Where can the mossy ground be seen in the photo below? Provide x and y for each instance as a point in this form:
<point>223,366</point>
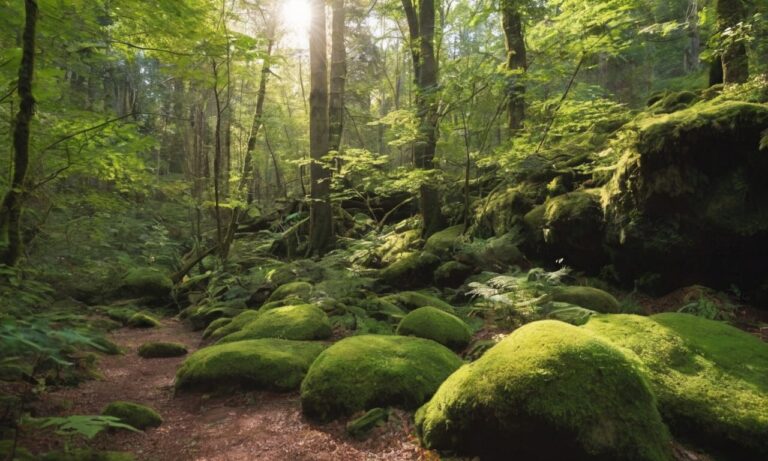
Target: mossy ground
<point>548,391</point>
<point>410,270</point>
<point>299,290</point>
<point>411,300</point>
<point>142,320</point>
<point>139,416</point>
<point>435,324</point>
<point>160,350</point>
<point>270,364</point>
<point>302,322</point>
<point>711,379</point>
<point>367,371</point>
<point>587,297</point>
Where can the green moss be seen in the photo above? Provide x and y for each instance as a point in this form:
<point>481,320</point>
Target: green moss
<point>201,317</point>
<point>87,454</point>
<point>381,309</point>
<point>437,325</point>
<point>302,322</point>
<point>673,102</point>
<point>271,364</point>
<point>120,314</point>
<point>360,427</point>
<point>587,297</point>
<point>548,391</point>
<point>711,379</point>
<point>300,290</point>
<point>397,243</point>
<point>411,300</point>
<point>410,270</point>
<point>159,350</point>
<point>142,320</point>
<point>236,324</point>
<point>216,324</point>
<point>452,274</point>
<point>503,211</point>
<point>444,242</point>
<point>136,415</point>
<point>362,372</point>
<point>21,454</point>
<point>142,282</point>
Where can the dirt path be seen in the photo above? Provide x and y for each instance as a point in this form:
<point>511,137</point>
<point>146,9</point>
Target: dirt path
<point>249,426</point>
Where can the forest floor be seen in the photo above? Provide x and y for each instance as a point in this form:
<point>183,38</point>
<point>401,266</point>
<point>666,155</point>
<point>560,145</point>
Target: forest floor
<point>248,426</point>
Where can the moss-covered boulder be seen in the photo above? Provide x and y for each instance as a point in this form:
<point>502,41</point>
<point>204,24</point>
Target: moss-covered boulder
<point>270,364</point>
<point>367,371</point>
<point>298,290</point>
<point>443,243</point>
<point>235,324</point>
<point>143,320</point>
<point>410,270</point>
<point>687,201</point>
<point>711,379</point>
<point>160,350</point>
<point>432,323</point>
<point>133,414</point>
<point>216,324</point>
<point>201,317</point>
<point>397,243</point>
<point>548,391</point>
<point>119,313</point>
<point>302,322</point>
<point>570,227</point>
<point>496,254</point>
<point>503,211</point>
<point>452,274</point>
<point>410,300</point>
<point>381,309</point>
<point>587,297</point>
<point>146,282</point>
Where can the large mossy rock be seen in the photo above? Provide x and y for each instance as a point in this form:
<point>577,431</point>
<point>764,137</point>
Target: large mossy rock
<point>367,371</point>
<point>711,379</point>
<point>234,325</point>
<point>432,323</point>
<point>156,350</point>
<point>302,322</point>
<point>297,290</point>
<point>410,300</point>
<point>452,274</point>
<point>587,297</point>
<point>410,270</point>
<point>687,203</point>
<point>146,282</point>
<point>444,242</point>
<point>134,414</point>
<point>570,227</point>
<point>202,316</point>
<point>549,391</point>
<point>270,364</point>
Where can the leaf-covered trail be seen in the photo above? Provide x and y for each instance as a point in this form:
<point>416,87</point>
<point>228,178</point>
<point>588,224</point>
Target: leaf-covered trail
<point>248,426</point>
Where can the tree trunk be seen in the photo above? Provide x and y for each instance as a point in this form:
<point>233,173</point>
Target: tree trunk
<point>421,26</point>
<point>11,244</point>
<point>516,62</point>
<point>320,219</point>
<point>338,79</point>
<point>735,63</point>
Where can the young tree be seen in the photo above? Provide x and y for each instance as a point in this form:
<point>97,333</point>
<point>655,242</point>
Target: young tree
<point>11,243</point>
<point>734,57</point>
<point>338,76</point>
<point>421,28</point>
<point>320,219</point>
<point>517,63</point>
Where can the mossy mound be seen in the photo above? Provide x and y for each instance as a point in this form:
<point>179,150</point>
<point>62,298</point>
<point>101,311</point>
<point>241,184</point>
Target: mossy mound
<point>411,300</point>
<point>367,371</point>
<point>216,324</point>
<point>452,274</point>
<point>120,314</point>
<point>443,243</point>
<point>22,454</point>
<point>381,309</point>
<point>302,322</point>
<point>146,282</point>
<point>161,350</point>
<point>687,200</point>
<point>587,297</point>
<point>86,454</point>
<point>410,270</point>
<point>503,211</point>
<point>299,290</point>
<point>142,320</point>
<point>548,391</point>
<point>437,325</point>
<point>270,364</point>
<point>496,254</point>
<point>235,324</point>
<point>711,379</point>
<point>397,243</point>
<point>134,414</point>
<point>201,317</point>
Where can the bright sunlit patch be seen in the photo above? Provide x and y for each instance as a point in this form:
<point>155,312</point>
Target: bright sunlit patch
<point>295,16</point>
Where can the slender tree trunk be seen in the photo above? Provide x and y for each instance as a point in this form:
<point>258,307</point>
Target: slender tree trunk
<point>734,58</point>
<point>217,154</point>
<point>421,26</point>
<point>320,219</point>
<point>516,62</point>
<point>338,79</point>
<point>11,243</point>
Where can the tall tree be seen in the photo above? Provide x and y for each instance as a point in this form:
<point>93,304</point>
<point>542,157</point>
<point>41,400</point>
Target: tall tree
<point>734,57</point>
<point>517,63</point>
<point>11,242</point>
<point>320,219</point>
<point>421,28</point>
<point>338,76</point>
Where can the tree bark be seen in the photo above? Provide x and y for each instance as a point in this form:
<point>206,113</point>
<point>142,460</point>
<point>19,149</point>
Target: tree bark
<point>734,58</point>
<point>11,243</point>
<point>421,26</point>
<point>516,62</point>
<point>320,219</point>
<point>338,79</point>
